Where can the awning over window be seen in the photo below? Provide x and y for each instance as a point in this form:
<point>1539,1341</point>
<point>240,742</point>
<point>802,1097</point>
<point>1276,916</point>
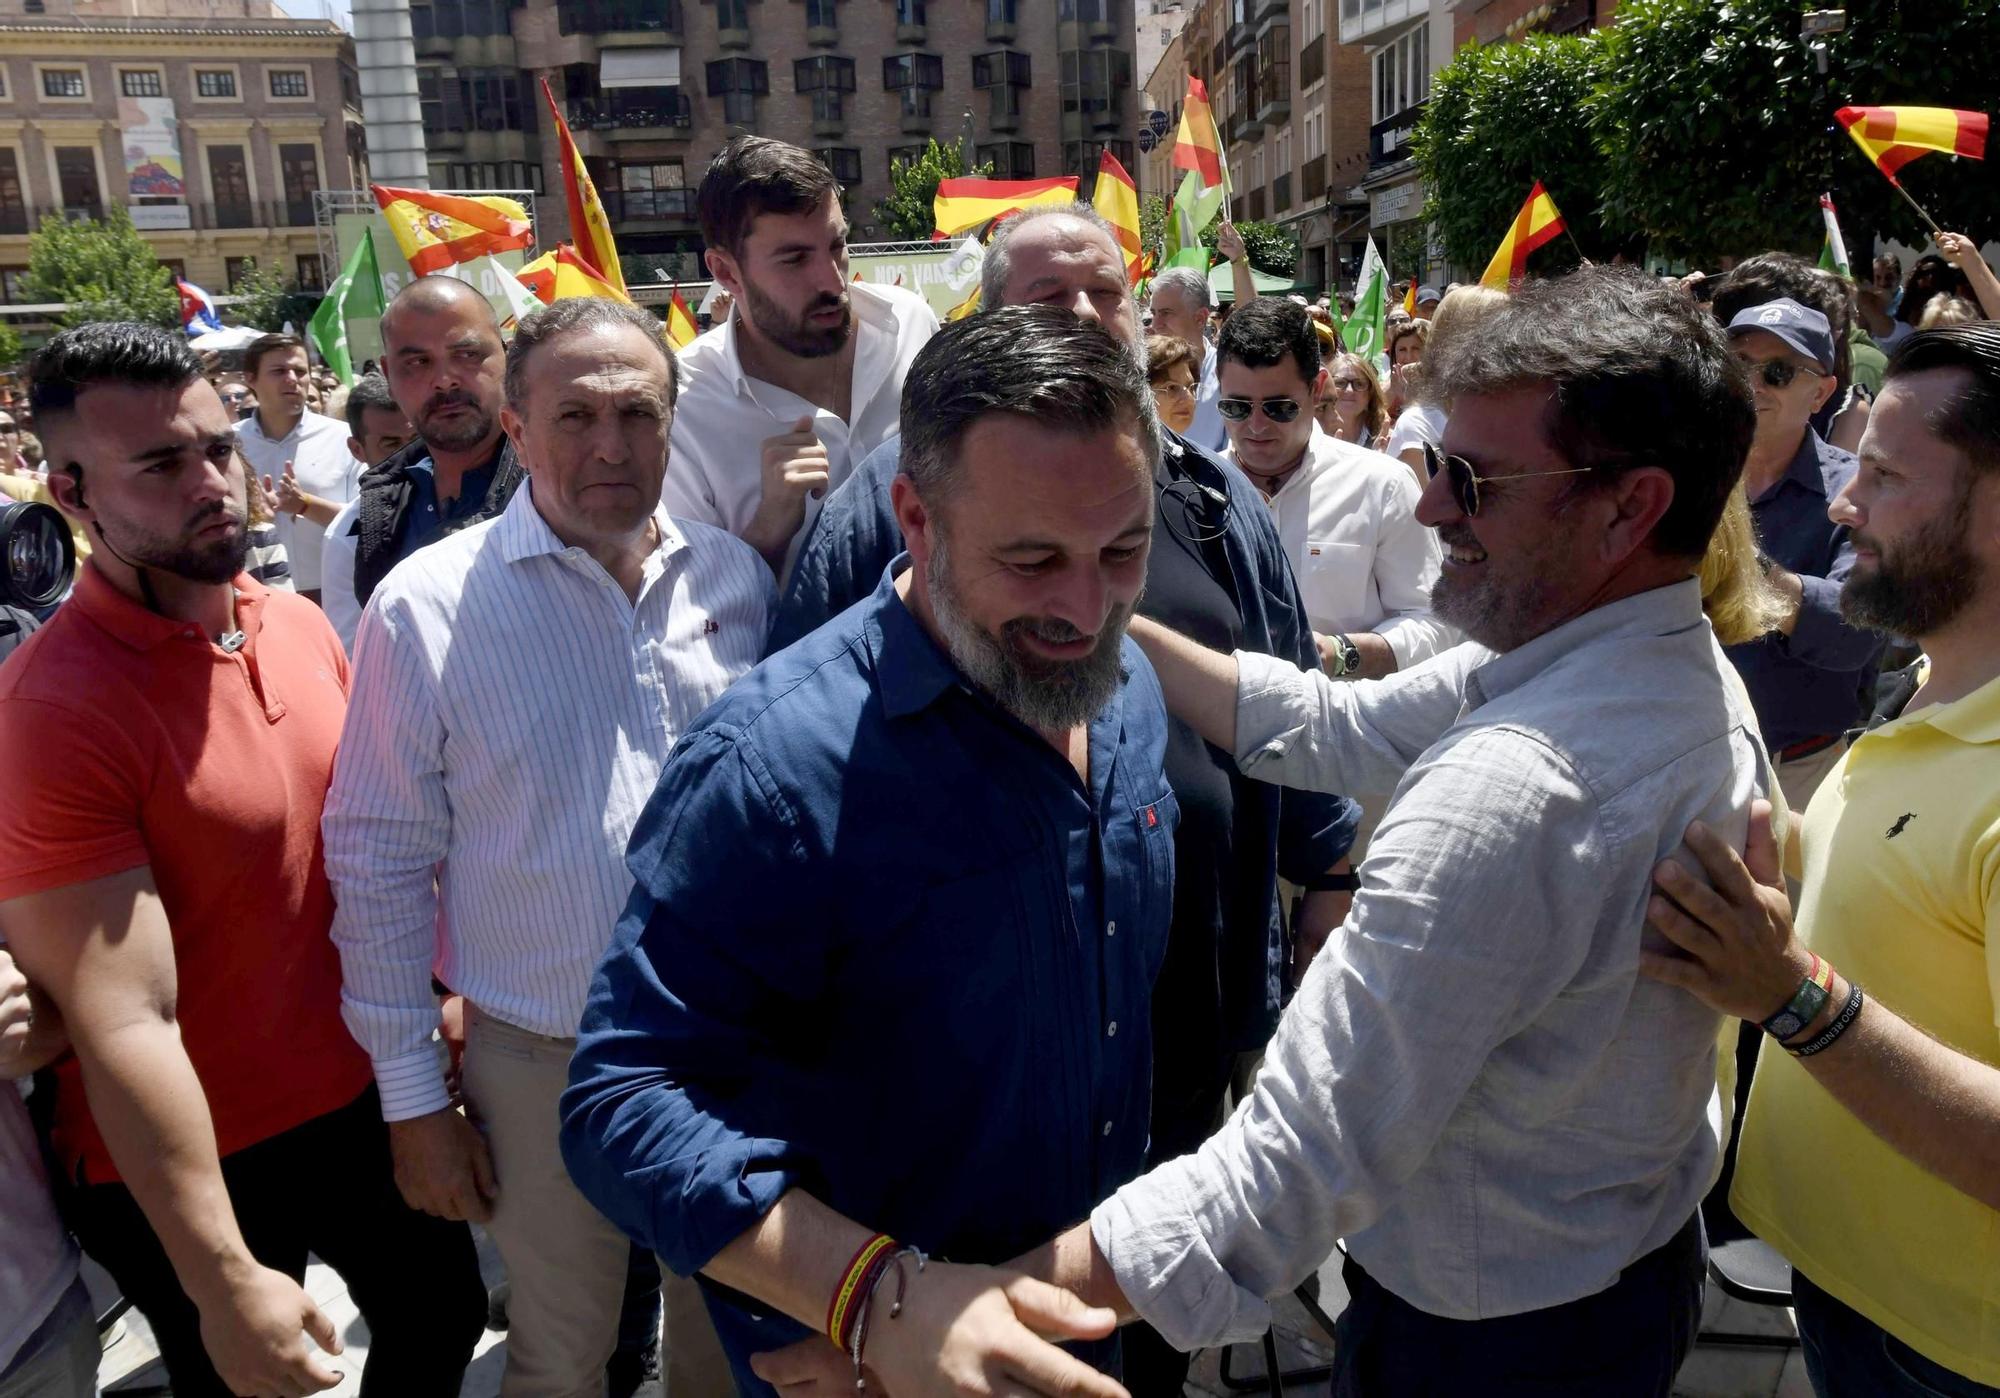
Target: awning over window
<point>639,68</point>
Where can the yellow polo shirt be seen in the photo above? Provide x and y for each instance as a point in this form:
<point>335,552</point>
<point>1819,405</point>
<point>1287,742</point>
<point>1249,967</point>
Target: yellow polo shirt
<point>1901,860</point>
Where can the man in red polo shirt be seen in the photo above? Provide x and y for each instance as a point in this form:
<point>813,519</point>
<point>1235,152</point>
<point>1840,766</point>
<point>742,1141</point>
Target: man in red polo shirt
<point>166,743</point>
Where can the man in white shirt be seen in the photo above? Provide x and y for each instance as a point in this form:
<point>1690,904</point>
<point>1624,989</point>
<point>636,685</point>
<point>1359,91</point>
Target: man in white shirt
<point>1182,302</point>
<point>1347,516</point>
<point>300,453</point>
<point>518,687</point>
<point>785,397</point>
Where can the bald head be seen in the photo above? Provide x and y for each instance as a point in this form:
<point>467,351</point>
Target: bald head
<point>442,355</point>
<point>1066,257</point>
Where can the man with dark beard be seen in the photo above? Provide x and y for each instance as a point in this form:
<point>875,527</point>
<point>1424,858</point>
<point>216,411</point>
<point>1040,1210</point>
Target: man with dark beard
<point>802,381</point>
<point>166,743</point>
<point>442,355</point>
<point>902,894</point>
<point>1871,1152</point>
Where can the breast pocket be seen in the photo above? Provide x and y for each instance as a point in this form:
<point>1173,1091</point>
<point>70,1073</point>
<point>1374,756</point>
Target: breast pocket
<point>1156,822</point>
<point>1337,581</point>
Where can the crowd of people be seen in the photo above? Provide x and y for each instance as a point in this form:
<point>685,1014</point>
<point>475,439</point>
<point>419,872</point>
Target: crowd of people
<point>964,859</point>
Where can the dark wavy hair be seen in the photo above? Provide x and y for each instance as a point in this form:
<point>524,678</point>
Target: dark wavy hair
<point>106,352</point>
<point>1970,418</point>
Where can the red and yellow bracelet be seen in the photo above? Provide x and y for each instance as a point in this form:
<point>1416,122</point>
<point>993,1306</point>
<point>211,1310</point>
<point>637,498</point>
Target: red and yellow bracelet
<point>844,1312</point>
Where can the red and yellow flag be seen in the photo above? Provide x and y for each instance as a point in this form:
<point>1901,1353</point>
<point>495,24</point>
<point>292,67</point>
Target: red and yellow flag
<point>1894,136</point>
<point>556,275</point>
<point>1537,223</point>
<point>436,230</point>
<point>1410,299</point>
<point>681,324</point>
<point>1117,198</point>
<point>1198,147</point>
<point>970,201</point>
<point>589,229</point>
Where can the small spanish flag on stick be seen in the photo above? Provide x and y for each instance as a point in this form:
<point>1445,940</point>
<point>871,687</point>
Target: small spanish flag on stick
<point>1536,224</point>
<point>1410,299</point>
<point>681,325</point>
<point>1892,137</point>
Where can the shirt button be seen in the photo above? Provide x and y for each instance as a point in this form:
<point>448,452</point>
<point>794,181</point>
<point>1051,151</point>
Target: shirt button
<point>1110,929</point>
<point>1107,1128</point>
<point>1111,1030</point>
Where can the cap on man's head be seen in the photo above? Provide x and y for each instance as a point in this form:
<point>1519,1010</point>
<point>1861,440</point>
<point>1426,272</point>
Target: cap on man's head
<point>1429,296</point>
<point>1801,327</point>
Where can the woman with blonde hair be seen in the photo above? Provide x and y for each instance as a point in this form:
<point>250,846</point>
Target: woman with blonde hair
<point>1351,404</point>
<point>1422,421</point>
<point>1741,603</point>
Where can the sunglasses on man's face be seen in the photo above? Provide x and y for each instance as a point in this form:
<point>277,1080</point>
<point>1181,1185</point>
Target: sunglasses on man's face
<point>1465,482</point>
<point>1779,373</point>
<point>1276,409</point>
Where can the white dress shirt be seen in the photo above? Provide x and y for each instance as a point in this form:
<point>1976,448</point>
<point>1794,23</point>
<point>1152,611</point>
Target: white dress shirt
<point>511,709</point>
<point>1348,520</point>
<point>317,449</point>
<point>1208,430</point>
<point>336,575</point>
<point>1474,1086</point>
<point>715,471</point>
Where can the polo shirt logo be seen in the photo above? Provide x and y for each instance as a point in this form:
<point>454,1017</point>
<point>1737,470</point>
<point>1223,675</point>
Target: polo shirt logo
<point>1901,821</point>
<point>710,627</point>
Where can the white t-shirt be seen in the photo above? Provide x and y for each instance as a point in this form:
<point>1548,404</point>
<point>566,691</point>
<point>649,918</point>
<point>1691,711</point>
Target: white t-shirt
<point>317,449</point>
<point>1416,425</point>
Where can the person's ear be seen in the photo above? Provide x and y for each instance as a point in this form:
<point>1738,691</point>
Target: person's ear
<point>915,519</point>
<point>726,270</point>
<point>1642,498</point>
<point>66,489</point>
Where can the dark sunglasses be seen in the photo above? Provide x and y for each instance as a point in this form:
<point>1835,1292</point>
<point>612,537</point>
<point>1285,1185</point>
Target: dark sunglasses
<point>1345,385</point>
<point>1779,373</point>
<point>1276,409</point>
<point>1465,481</point>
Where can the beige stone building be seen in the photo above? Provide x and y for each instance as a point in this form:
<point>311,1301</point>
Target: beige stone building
<point>213,122</point>
<point>653,88</point>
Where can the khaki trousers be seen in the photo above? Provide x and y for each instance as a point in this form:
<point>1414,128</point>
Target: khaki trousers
<point>566,1261</point>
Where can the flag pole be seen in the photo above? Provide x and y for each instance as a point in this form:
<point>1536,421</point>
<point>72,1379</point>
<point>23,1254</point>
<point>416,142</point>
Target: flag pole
<point>1575,244</point>
<point>1929,222</point>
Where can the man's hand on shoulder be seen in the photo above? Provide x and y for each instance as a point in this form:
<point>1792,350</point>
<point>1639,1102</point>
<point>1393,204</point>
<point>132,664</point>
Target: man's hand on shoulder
<point>443,1166</point>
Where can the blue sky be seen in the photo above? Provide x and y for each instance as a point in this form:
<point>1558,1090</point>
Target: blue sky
<point>318,9</point>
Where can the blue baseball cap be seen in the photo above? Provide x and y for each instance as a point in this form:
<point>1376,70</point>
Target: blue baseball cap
<point>1800,327</point>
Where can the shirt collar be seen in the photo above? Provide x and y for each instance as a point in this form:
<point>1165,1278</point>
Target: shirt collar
<point>1973,719</point>
<point>132,625</point>
<point>255,424</point>
<point>1661,611</point>
<point>522,533</point>
<point>1805,471</point>
<point>911,669</point>
<point>873,311</point>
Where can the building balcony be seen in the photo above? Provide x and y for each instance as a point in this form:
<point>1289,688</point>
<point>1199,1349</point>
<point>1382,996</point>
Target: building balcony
<point>829,125</point>
<point>628,206</point>
<point>15,219</point>
<point>627,117</point>
<point>822,36</point>
<point>433,46</point>
<point>732,38</point>
<point>916,123</point>
<point>1368,20</point>
<point>656,17</point>
<point>1244,126</point>
<point>1281,193</point>
<point>1312,61</point>
<point>1263,13</point>
<point>441,139</point>
<point>293,213</point>
<point>226,214</point>
<point>1312,180</point>
<point>907,34</point>
<point>1001,31</point>
<point>1274,103</point>
<point>1256,204</point>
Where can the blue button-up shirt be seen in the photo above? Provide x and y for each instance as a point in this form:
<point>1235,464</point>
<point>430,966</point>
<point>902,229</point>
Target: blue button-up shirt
<point>425,521</point>
<point>886,946</point>
<point>1819,681</point>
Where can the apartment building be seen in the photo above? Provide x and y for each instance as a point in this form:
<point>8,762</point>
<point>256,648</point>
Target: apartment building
<point>212,122</point>
<point>653,88</point>
<point>1503,21</point>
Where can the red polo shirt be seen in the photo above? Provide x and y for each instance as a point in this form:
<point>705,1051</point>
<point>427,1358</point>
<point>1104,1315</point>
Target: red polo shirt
<point>128,739</point>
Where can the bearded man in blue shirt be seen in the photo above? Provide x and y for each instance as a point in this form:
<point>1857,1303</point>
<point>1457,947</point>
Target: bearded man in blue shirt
<point>902,894</point>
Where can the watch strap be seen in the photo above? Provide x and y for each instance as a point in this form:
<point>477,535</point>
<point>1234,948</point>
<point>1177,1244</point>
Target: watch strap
<point>1349,882</point>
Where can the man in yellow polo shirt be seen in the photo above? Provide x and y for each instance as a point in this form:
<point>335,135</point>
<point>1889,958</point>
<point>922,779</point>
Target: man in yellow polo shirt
<point>1871,1151</point>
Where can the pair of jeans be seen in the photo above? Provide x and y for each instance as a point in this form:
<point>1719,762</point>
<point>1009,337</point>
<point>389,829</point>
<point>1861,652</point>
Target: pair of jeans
<point>327,1187</point>
<point>1626,1341</point>
<point>1850,1356</point>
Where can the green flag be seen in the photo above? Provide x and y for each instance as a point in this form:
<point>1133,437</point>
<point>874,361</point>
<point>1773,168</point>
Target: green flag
<point>1194,208</point>
<point>1362,334</point>
<point>1833,254</point>
<point>356,292</point>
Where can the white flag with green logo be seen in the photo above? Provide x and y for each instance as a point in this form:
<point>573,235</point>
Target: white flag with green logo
<point>1362,334</point>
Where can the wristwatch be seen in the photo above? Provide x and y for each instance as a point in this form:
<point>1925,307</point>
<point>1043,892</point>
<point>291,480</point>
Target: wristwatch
<point>1349,882</point>
<point>1346,656</point>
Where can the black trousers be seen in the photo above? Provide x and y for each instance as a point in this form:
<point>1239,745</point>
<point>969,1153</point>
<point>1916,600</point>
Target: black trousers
<point>1627,1341</point>
<point>328,1188</point>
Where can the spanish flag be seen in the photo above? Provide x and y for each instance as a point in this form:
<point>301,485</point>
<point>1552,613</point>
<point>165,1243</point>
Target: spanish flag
<point>1894,136</point>
<point>1410,299</point>
<point>1536,224</point>
<point>436,230</point>
<point>1117,198</point>
<point>970,201</point>
<point>681,324</point>
<point>589,229</point>
<point>1198,147</point>
<point>557,275</point>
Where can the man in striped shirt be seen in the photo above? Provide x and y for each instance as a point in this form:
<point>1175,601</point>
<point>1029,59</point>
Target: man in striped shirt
<point>517,688</point>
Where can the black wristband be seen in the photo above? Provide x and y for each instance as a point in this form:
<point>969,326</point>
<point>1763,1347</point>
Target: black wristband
<point>1349,882</point>
<point>1833,1031</point>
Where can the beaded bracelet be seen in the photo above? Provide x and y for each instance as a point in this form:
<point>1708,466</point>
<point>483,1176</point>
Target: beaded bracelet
<point>1834,1030</point>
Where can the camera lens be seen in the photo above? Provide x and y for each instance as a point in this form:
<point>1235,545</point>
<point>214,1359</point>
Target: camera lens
<point>37,559</point>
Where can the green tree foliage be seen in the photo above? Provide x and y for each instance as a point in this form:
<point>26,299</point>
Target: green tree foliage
<point>103,269</point>
<point>1502,116</point>
<point>265,303</point>
<point>908,211</point>
<point>1153,226</point>
<point>12,351</point>
<point>1719,134</point>
<point>1274,251</point>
